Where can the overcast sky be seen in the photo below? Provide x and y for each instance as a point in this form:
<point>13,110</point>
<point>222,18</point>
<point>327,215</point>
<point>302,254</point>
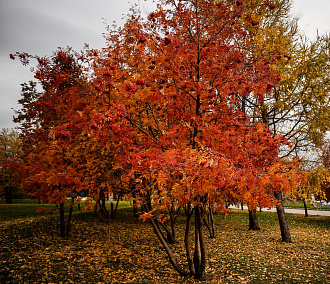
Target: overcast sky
<point>38,27</point>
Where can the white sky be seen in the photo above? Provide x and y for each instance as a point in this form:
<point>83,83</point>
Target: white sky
<point>38,27</point>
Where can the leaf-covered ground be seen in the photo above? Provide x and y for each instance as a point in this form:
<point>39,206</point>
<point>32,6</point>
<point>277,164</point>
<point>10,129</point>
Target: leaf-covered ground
<point>125,250</point>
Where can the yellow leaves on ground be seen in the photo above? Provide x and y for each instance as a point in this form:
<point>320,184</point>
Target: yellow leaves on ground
<point>125,250</point>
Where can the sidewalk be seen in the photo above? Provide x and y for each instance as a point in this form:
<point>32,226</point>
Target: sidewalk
<point>290,210</point>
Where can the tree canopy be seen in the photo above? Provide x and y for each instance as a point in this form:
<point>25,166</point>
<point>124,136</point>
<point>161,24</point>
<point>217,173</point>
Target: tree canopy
<point>161,114</point>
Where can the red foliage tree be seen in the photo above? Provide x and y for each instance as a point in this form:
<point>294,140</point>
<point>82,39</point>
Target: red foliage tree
<point>174,85</point>
<point>50,122</point>
<point>163,101</point>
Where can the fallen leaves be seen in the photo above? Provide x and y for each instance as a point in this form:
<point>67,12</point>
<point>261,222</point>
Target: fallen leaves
<point>125,250</point>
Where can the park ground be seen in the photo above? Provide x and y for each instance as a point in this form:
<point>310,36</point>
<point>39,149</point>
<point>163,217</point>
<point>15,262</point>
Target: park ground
<point>125,249</point>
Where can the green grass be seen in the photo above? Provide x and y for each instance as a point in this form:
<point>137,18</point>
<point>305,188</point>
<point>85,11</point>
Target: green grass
<point>22,208</point>
<point>28,208</point>
<point>19,201</point>
<point>125,250</point>
<point>301,206</point>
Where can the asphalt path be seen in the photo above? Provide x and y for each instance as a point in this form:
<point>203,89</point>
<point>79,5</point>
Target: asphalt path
<point>290,210</point>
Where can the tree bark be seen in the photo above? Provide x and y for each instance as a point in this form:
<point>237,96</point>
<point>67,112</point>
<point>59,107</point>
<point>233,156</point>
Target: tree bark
<point>173,216</point>
<point>253,221</point>
<point>209,221</point>
<point>9,194</point>
<point>285,231</point>
<point>169,252</point>
<point>197,261</point>
<point>135,211</point>
<point>114,211</point>
<point>112,214</point>
<point>62,221</point>
<point>305,207</point>
<point>170,236</point>
<point>68,226</point>
<point>189,212</point>
<point>199,255</point>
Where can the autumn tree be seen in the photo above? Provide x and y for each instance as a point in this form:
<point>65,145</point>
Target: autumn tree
<point>50,162</point>
<point>312,188</point>
<point>63,155</point>
<point>174,84</point>
<point>325,182</point>
<point>272,33</point>
<point>165,99</point>
<point>300,105</point>
<point>296,104</point>
<point>297,107</point>
<point>10,150</point>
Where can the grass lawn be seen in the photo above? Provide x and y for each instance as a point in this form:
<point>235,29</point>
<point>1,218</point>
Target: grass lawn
<point>26,208</point>
<point>125,250</point>
<point>301,206</point>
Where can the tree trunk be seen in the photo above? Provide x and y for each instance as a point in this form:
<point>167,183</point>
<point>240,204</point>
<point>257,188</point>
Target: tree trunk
<point>169,252</point>
<point>212,221</point>
<point>197,261</point>
<point>189,212</point>
<point>62,221</point>
<point>172,221</point>
<point>305,207</point>
<point>253,221</point>
<point>209,222</point>
<point>169,234</point>
<point>135,211</point>
<point>9,194</point>
<point>103,207</point>
<point>173,216</point>
<point>285,231</point>
<point>68,226</point>
<point>199,254</point>
<point>114,211</point>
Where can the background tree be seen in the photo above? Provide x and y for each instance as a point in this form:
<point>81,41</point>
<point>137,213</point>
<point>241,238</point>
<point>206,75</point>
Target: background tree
<point>50,162</point>
<point>64,154</point>
<point>10,150</point>
<point>325,183</point>
<point>296,104</point>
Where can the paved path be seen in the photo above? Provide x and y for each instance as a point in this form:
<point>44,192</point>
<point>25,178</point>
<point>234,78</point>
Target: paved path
<point>291,210</point>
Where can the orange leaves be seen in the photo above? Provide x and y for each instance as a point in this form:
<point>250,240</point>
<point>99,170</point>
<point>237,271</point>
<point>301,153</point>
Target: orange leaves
<point>145,216</point>
<point>142,40</point>
<point>269,86</point>
<point>165,104</point>
<point>98,88</point>
<point>140,82</point>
